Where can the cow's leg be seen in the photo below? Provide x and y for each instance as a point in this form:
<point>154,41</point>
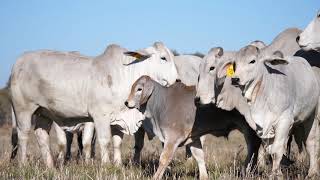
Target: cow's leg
<point>14,135</point>
<point>87,136</point>
<point>117,136</point>
<point>69,136</point>
<point>139,143</point>
<point>278,147</point>
<point>197,152</point>
<point>42,129</point>
<point>166,156</point>
<point>93,144</point>
<point>188,154</point>
<point>102,125</point>
<point>80,144</point>
<point>23,117</point>
<point>62,143</point>
<point>188,150</point>
<point>253,144</point>
<point>312,145</point>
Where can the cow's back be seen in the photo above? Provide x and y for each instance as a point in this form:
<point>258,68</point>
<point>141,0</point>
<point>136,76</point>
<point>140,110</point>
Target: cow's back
<point>52,80</point>
<point>296,87</point>
<point>173,111</point>
<point>285,42</point>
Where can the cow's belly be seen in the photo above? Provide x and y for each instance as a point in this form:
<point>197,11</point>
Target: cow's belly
<point>152,128</point>
<point>65,98</point>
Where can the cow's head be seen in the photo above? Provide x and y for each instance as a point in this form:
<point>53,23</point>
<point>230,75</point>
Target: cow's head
<point>309,39</point>
<point>140,92</point>
<point>158,63</point>
<point>250,66</point>
<point>207,76</point>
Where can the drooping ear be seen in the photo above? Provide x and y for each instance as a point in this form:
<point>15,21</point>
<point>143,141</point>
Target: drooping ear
<point>277,59</point>
<point>138,55</point>
<point>148,87</point>
<point>227,69</point>
<point>216,51</point>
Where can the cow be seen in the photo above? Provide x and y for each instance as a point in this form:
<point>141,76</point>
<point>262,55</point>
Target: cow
<point>283,94</point>
<point>309,39</point>
<point>173,117</point>
<point>212,87</point>
<point>64,87</point>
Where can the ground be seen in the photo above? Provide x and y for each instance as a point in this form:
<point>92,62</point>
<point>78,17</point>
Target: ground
<point>224,158</point>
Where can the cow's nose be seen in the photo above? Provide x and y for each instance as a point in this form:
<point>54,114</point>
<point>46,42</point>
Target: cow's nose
<point>197,100</point>
<point>297,39</point>
<point>126,103</point>
<point>178,80</point>
<point>235,81</point>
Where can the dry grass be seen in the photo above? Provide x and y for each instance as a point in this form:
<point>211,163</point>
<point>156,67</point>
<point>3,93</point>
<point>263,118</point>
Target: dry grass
<point>223,157</point>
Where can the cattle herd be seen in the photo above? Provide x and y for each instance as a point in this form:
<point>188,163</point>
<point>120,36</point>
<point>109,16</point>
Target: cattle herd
<point>270,93</point>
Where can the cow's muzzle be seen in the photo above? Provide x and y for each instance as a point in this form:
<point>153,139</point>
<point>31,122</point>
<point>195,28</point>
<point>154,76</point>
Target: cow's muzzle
<point>129,105</point>
<point>235,81</point>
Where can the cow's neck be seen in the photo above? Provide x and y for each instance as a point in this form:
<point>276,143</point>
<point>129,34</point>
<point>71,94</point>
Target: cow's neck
<point>133,72</point>
<point>125,75</point>
<point>155,101</point>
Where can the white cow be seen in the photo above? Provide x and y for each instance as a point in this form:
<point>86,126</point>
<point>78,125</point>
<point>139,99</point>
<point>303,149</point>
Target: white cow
<point>64,87</point>
<point>309,39</point>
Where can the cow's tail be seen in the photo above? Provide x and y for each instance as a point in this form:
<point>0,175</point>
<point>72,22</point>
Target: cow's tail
<point>14,135</point>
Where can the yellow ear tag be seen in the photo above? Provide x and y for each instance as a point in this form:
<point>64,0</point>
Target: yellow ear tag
<point>230,71</point>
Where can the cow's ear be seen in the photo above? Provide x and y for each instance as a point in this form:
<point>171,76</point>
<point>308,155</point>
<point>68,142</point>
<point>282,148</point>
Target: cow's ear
<point>136,54</point>
<point>216,51</point>
<point>227,69</point>
<point>278,54</point>
<point>277,59</point>
<point>148,87</point>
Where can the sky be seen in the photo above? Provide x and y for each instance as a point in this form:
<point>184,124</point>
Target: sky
<point>185,25</point>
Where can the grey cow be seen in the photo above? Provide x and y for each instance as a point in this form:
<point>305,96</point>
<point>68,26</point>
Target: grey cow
<point>215,87</point>
<point>283,93</point>
<point>175,120</point>
<point>72,90</point>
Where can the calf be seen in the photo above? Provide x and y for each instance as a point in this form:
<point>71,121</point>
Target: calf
<point>173,117</point>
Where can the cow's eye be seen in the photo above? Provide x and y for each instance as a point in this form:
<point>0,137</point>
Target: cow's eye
<point>211,68</point>
<point>139,89</point>
<point>164,58</point>
<point>318,15</point>
<point>252,62</point>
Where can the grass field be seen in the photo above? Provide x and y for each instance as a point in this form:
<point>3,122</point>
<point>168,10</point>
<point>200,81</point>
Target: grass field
<point>224,158</point>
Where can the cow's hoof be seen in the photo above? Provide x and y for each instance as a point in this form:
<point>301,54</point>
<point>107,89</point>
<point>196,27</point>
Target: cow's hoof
<point>117,163</point>
<point>204,177</point>
<point>285,161</point>
<point>276,176</point>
